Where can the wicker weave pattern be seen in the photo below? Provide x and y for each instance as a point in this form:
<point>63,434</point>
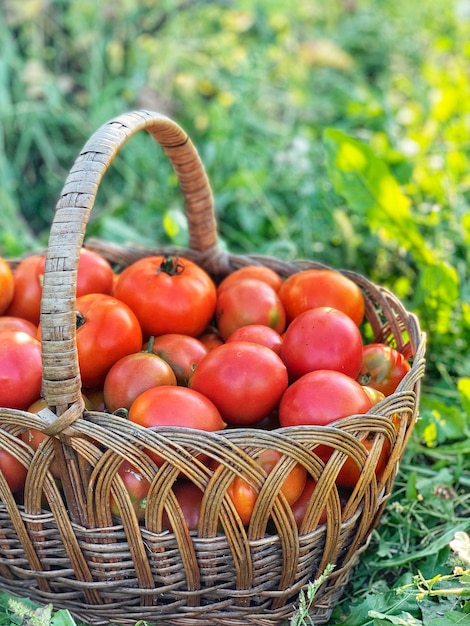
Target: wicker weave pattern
<point>66,547</point>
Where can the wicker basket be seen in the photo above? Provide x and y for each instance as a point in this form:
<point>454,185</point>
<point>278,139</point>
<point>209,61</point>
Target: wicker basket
<point>64,546</point>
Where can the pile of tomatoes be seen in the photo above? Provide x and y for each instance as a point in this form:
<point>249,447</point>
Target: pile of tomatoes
<point>162,343</point>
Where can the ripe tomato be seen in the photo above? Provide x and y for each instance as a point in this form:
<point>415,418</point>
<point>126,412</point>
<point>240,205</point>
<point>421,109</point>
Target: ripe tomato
<point>189,498</point>
<point>211,338</point>
<point>181,352</point>
<point>168,295</point>
<point>244,380</point>
<point>258,333</point>
<point>7,285</point>
<point>26,300</point>
<point>170,405</point>
<point>322,338</point>
<point>321,287</point>
<point>321,397</point>
<point>34,437</point>
<point>9,322</point>
<point>383,367</point>
<point>244,496</point>
<point>300,506</point>
<point>95,274</point>
<point>20,369</point>
<point>258,272</point>
<point>132,375</point>
<point>137,487</point>
<point>248,301</point>
<point>350,471</point>
<point>106,331</point>
<point>13,471</point>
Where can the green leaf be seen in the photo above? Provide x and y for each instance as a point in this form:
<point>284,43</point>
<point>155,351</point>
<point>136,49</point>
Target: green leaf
<point>440,421</point>
<point>369,188</point>
<point>438,290</point>
<point>405,619</point>
<point>451,617</point>
<point>62,618</point>
<point>430,549</point>
<point>386,603</point>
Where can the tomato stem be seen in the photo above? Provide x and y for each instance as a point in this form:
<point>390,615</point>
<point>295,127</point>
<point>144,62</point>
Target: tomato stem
<point>150,344</point>
<point>171,265</point>
<point>365,378</point>
<point>79,320</point>
<point>122,412</point>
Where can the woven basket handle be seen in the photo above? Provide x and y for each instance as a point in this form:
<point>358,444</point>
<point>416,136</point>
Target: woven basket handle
<point>61,374</point>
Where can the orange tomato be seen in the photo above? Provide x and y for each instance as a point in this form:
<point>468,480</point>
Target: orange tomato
<point>6,285</point>
<point>26,300</point>
<point>321,287</point>
<point>258,272</point>
<point>244,496</point>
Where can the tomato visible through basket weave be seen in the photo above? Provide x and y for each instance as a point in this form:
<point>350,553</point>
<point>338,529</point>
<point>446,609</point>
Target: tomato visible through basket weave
<point>244,495</point>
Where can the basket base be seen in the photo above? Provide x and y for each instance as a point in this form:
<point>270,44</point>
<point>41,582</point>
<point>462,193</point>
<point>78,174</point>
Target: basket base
<point>122,614</point>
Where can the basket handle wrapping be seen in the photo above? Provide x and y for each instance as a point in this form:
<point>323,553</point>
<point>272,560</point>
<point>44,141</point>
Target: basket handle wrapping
<point>61,374</point>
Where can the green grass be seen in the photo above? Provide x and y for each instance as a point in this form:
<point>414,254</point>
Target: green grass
<point>274,93</point>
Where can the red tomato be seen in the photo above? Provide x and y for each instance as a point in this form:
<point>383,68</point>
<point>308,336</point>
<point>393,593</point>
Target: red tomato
<point>189,498</point>
<point>107,330</point>
<point>181,352</point>
<point>95,274</point>
<point>300,506</point>
<point>211,338</point>
<point>13,471</point>
<point>322,339</point>
<point>244,380</point>
<point>168,295</point>
<point>248,301</point>
<point>26,300</point>
<point>9,322</point>
<point>321,397</point>
<point>20,369</point>
<point>174,406</point>
<point>34,437</point>
<point>137,487</point>
<point>258,272</point>
<point>257,333</point>
<point>244,496</point>
<point>321,287</point>
<point>7,285</point>
<point>383,367</point>
<point>132,375</point>
<point>350,471</point>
